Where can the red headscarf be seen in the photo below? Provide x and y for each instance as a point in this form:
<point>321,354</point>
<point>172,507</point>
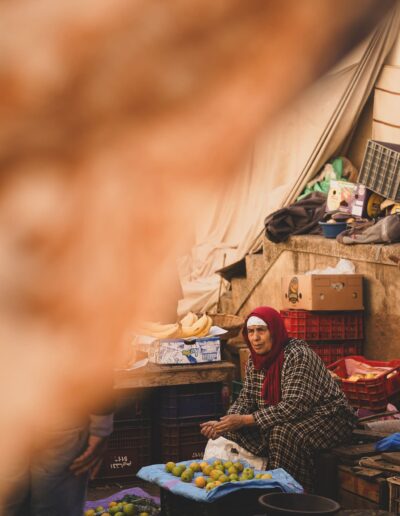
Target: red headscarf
<point>272,361</point>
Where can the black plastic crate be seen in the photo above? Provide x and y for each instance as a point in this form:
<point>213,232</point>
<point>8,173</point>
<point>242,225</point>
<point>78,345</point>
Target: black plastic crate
<point>131,434</point>
<point>202,400</point>
<point>243,502</point>
<point>181,440</point>
<point>123,462</point>
<point>133,404</point>
<point>129,448</point>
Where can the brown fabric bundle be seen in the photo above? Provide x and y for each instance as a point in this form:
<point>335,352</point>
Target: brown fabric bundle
<point>297,219</point>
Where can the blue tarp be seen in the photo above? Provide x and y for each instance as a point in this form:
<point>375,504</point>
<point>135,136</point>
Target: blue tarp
<point>157,475</point>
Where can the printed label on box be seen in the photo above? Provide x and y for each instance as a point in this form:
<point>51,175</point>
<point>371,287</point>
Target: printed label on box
<point>340,196</point>
<point>180,352</point>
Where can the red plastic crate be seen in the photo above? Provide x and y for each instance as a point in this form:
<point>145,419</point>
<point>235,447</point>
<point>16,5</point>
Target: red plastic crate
<point>310,325</point>
<point>182,440</point>
<point>129,448</point>
<point>330,350</point>
<point>372,394</point>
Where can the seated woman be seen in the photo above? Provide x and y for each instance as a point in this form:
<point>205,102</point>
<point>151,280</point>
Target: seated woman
<point>289,406</point>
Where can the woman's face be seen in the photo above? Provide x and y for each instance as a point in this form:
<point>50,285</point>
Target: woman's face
<point>260,339</point>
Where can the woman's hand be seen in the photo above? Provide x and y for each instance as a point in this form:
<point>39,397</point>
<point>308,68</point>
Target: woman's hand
<point>208,429</point>
<point>231,423</point>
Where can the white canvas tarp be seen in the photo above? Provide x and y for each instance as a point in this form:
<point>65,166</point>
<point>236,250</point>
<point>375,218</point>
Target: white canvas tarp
<point>282,161</point>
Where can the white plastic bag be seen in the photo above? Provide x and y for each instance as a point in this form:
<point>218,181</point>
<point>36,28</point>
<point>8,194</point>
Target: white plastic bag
<point>343,266</point>
<point>224,449</point>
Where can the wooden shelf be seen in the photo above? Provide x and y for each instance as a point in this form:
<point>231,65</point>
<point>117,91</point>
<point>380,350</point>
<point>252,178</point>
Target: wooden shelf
<point>153,375</point>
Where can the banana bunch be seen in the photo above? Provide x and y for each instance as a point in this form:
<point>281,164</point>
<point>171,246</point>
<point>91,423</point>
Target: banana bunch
<point>189,326</point>
<point>193,326</point>
<point>158,330</point>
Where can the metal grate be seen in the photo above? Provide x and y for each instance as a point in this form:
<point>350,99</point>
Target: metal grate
<point>380,169</point>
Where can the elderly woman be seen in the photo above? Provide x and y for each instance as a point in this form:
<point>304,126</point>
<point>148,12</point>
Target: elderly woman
<point>289,406</point>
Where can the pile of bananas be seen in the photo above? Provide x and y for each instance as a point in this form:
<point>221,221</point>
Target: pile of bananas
<point>189,326</point>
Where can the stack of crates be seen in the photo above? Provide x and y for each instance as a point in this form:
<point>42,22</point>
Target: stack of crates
<point>332,335</point>
<point>130,444</point>
<point>181,409</point>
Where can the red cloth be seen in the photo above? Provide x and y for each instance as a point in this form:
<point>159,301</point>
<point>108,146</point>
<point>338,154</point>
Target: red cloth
<point>272,361</point>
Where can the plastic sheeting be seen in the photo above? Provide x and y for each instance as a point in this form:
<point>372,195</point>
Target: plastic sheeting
<point>282,161</point>
<point>136,491</point>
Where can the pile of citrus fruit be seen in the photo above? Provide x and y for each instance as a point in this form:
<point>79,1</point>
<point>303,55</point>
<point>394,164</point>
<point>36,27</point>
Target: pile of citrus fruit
<point>212,475</point>
<point>127,506</point>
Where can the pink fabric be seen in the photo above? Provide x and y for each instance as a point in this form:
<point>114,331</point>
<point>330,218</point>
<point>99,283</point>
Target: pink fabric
<point>272,361</point>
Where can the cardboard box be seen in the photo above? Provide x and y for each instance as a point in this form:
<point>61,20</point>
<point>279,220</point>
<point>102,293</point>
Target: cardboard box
<point>176,351</point>
<point>323,292</point>
<point>243,356</point>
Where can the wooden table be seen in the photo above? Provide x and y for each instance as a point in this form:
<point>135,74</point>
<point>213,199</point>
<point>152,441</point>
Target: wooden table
<point>153,375</point>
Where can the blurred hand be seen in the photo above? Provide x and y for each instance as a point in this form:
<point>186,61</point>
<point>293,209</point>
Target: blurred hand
<point>208,429</point>
<point>91,458</point>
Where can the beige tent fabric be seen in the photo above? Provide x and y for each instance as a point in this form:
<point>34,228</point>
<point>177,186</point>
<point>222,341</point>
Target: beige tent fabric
<point>386,115</point>
<point>283,160</point>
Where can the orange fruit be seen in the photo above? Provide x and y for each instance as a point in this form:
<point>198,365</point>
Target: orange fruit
<point>200,482</point>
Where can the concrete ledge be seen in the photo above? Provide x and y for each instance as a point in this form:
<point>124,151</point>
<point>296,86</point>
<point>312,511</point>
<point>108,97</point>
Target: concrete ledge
<point>388,254</point>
